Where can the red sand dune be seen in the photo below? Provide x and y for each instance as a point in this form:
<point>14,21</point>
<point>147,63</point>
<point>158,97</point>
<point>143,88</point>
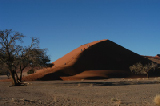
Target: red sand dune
<point>72,57</point>
<point>98,59</point>
<point>155,59</point>
<point>158,55</point>
<point>95,60</point>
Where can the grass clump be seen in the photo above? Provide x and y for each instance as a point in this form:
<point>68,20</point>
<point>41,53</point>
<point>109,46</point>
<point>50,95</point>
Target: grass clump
<point>114,99</point>
<point>79,84</point>
<point>117,101</point>
<point>157,100</point>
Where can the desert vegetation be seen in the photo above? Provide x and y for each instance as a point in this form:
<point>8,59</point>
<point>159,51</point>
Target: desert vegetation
<point>14,56</point>
<point>157,100</point>
<point>30,71</point>
<point>139,68</point>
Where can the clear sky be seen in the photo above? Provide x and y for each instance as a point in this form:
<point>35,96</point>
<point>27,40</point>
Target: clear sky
<point>64,25</point>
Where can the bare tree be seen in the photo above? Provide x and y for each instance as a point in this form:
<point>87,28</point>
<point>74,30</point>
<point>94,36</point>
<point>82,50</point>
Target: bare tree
<point>33,58</point>
<point>17,57</point>
<point>149,67</point>
<point>138,68</point>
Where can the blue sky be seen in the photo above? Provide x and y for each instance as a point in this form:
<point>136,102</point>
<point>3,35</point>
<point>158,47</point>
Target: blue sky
<point>64,25</point>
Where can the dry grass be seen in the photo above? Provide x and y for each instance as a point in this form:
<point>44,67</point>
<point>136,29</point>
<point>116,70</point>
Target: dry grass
<point>114,99</point>
<point>55,99</point>
<point>138,79</point>
<point>82,79</point>
<point>157,100</point>
<point>91,85</point>
<point>117,101</point>
<point>130,79</point>
<point>79,84</point>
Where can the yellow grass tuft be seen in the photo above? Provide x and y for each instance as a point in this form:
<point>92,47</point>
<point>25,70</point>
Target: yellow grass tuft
<point>55,99</point>
<point>138,79</point>
<point>114,99</point>
<point>91,85</point>
<point>117,101</point>
<point>79,84</point>
<point>157,100</point>
<point>82,79</point>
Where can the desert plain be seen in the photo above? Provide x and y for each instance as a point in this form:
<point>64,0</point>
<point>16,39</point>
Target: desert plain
<point>104,92</point>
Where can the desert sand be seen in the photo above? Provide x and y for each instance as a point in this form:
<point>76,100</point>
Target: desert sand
<point>110,92</point>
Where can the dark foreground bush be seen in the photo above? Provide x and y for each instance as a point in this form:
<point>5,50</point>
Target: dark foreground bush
<point>30,72</point>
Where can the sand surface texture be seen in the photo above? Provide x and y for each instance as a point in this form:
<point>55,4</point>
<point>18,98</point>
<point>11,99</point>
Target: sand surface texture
<point>111,92</point>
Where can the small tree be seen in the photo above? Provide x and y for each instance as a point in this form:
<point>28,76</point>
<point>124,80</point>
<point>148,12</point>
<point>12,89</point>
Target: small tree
<point>149,67</point>
<point>33,58</point>
<point>138,68</point>
<point>16,57</point>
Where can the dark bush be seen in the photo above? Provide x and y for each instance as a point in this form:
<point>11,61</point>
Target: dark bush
<point>30,71</point>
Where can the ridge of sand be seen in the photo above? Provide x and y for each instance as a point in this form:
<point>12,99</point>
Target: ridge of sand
<point>96,56</point>
<point>69,58</point>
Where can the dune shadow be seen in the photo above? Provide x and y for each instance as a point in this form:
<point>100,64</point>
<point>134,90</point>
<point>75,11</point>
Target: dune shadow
<point>118,83</point>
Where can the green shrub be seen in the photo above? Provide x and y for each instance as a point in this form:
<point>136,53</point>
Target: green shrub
<point>30,71</point>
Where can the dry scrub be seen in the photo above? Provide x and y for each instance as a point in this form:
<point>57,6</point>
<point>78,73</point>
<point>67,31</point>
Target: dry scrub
<point>157,100</point>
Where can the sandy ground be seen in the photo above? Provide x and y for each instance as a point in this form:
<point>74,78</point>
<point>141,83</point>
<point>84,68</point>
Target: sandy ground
<point>108,92</point>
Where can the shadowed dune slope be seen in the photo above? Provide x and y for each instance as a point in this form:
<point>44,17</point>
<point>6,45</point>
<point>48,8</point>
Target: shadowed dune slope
<point>107,55</point>
<point>98,59</point>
